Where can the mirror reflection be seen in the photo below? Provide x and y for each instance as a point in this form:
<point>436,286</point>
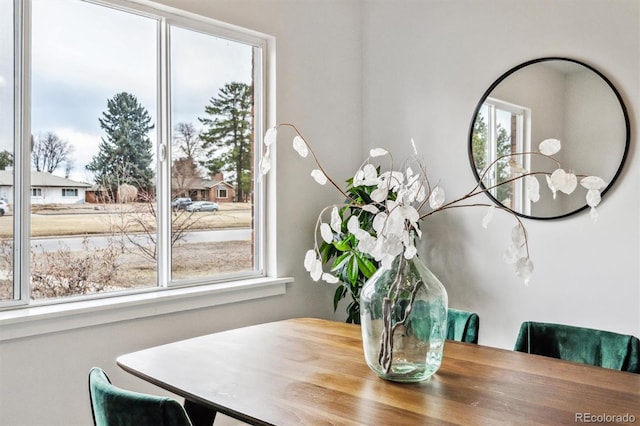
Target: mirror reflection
<point>549,98</point>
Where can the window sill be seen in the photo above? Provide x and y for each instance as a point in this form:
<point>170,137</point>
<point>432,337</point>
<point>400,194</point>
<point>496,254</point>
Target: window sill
<point>38,320</point>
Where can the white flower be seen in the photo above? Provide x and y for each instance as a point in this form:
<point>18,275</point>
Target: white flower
<point>593,197</point>
<point>518,237</point>
<point>436,199</point>
<point>353,224</point>
<point>391,180</point>
<point>370,208</point>
<point>336,220</point>
<point>379,195</point>
<point>410,252</point>
<point>270,136</point>
<point>313,265</point>
<point>265,164</point>
<point>532,188</point>
<point>300,146</point>
<point>309,258</point>
<point>549,146</point>
<point>592,182</point>
<point>488,217</point>
<point>366,176</point>
<point>563,181</point>
<point>319,176</point>
<point>512,254</point>
<point>524,269</point>
<point>326,233</point>
<point>378,152</point>
<point>331,279</point>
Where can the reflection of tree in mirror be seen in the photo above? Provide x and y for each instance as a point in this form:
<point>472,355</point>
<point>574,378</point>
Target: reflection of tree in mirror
<point>227,142</point>
<point>501,171</point>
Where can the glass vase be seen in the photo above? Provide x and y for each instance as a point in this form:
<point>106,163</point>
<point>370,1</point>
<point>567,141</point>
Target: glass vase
<point>403,312</point>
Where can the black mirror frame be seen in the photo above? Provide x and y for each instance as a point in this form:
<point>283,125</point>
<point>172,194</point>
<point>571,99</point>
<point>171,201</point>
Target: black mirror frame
<point>507,74</point>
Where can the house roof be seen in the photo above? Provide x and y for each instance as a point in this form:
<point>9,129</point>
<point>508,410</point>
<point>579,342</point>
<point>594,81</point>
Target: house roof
<point>42,179</point>
<point>201,183</point>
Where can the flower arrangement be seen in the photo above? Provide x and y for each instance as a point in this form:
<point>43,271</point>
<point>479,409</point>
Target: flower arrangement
<point>382,209</point>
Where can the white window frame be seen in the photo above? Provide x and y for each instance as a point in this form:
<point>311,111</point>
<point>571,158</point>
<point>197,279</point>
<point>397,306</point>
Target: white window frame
<point>22,317</point>
<point>36,192</point>
<point>522,143</point>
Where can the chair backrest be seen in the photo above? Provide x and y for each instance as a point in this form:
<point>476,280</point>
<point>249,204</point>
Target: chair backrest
<point>584,345</point>
<point>462,326</point>
<point>113,406</point>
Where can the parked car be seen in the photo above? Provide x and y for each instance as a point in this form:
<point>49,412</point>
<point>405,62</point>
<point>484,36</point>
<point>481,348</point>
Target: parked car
<point>202,206</point>
<point>180,203</point>
<point>4,207</point>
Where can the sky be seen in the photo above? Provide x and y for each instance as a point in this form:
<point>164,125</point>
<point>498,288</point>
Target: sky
<point>83,54</point>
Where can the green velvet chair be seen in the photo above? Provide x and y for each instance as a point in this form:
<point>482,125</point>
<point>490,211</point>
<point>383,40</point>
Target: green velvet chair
<point>584,345</point>
<point>112,406</point>
<point>462,326</point>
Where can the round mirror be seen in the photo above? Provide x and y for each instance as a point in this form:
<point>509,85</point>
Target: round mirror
<point>548,98</point>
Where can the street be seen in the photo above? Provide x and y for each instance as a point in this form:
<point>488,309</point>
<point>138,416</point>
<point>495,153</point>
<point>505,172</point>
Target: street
<point>75,243</point>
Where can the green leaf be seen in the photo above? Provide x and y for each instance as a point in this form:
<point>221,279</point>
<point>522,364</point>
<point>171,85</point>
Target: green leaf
<point>341,261</point>
<point>366,266</point>
<point>353,270</point>
<point>341,292</point>
<point>343,245</point>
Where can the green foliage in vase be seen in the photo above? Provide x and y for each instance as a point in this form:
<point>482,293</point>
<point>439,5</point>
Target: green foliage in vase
<point>352,267</point>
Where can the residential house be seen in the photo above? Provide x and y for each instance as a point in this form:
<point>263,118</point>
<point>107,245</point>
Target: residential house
<point>46,188</point>
<point>215,189</point>
<point>355,75</point>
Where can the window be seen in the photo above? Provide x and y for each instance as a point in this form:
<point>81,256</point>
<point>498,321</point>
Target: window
<point>121,142</point>
<point>222,193</point>
<point>501,129</point>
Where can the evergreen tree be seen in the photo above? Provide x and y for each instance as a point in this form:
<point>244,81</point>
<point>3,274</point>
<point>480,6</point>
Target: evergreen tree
<point>227,141</point>
<point>125,154</point>
<point>6,159</point>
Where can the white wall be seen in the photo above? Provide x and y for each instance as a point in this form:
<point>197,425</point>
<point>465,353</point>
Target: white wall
<point>43,380</point>
<point>425,66</point>
<point>382,72</point>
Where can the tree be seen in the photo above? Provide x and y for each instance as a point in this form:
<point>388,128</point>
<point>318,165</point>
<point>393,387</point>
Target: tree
<point>49,152</point>
<point>184,169</point>
<point>6,159</point>
<point>227,142</point>
<point>479,146</point>
<point>187,141</point>
<point>125,154</point>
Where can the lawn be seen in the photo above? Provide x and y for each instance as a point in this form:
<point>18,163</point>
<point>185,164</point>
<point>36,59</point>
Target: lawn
<point>124,268</point>
<point>89,219</point>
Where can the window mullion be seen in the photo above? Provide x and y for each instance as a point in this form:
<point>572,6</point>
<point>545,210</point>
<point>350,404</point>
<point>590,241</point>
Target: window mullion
<point>22,152</point>
<point>163,148</point>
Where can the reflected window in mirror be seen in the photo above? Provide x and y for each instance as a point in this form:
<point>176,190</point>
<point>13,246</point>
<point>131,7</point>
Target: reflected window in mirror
<point>501,129</point>
<point>548,98</point>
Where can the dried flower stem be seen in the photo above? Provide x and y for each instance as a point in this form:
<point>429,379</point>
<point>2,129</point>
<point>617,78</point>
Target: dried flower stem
<point>385,356</point>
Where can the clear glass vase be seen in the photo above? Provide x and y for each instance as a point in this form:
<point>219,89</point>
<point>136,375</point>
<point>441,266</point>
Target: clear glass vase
<point>403,312</point>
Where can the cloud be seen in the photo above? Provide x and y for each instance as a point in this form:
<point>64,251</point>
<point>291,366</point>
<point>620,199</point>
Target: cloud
<point>85,53</point>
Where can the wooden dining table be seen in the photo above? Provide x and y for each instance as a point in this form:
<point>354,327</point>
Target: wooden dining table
<point>308,371</point>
